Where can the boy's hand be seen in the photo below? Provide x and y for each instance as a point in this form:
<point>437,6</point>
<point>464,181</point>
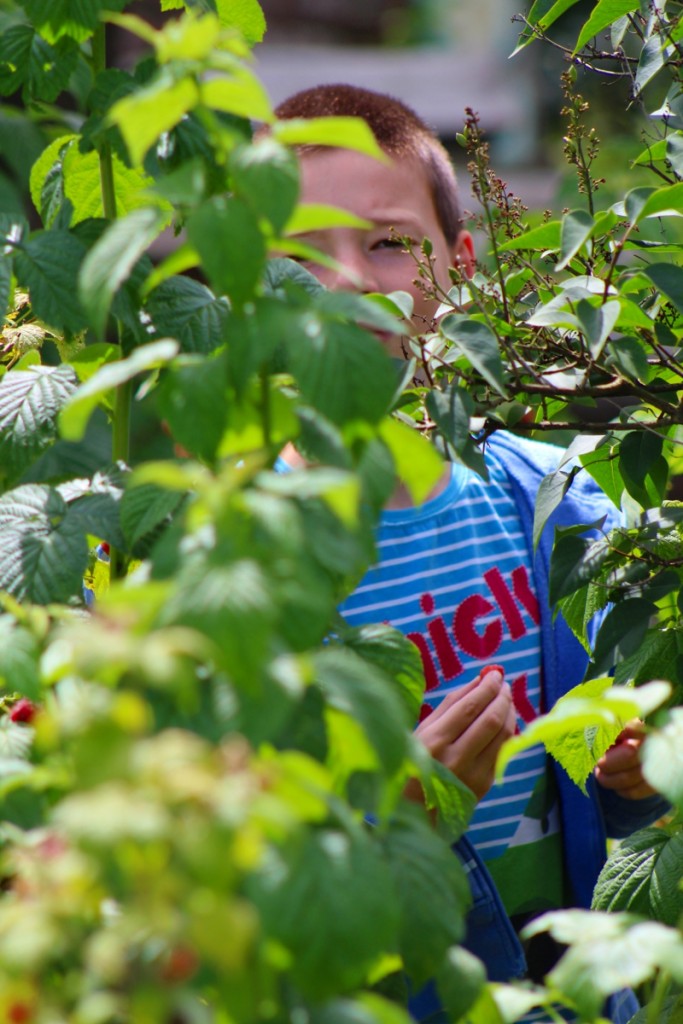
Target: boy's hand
<point>466,731</point>
<point>620,769</point>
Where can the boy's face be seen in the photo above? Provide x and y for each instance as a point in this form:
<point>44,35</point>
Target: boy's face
<point>396,199</point>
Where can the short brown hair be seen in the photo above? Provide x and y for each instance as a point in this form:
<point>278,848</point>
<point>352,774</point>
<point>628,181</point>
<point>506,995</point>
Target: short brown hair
<point>399,131</point>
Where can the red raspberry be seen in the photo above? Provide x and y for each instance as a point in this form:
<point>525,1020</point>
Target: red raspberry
<point>23,711</point>
<point>182,964</point>
<point>105,547</point>
<point>19,1013</point>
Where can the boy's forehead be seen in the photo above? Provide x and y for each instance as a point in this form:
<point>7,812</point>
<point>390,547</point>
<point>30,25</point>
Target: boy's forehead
<point>340,176</point>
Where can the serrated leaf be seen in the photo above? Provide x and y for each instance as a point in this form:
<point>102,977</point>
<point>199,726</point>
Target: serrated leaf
<point>30,401</point>
<point>662,758</point>
<point>28,62</point>
<point>15,740</point>
<point>418,465</point>
<point>577,228</point>
<point>74,416</point>
<point>613,952</point>
<point>643,876</point>
<point>431,917</point>
<point>478,342</point>
<point>214,230</point>
<point>112,258</point>
<point>604,14</point>
<point>144,509</point>
<point>267,176</point>
<point>19,657</point>
<point>75,18</point>
<point>562,730</point>
<point>82,186</point>
<point>656,655</point>
<point>244,15</point>
<point>49,166</point>
<point>241,94</point>
<point>342,878</point>
<point>188,311</point>
<point>192,399</point>
<point>47,264</point>
<point>339,132</point>
<point>352,686</point>
<point>144,115</point>
<point>342,370</point>
<point>42,557</point>
<point>398,657</point>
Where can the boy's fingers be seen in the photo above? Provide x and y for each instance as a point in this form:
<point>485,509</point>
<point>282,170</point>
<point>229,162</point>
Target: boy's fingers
<point>456,714</point>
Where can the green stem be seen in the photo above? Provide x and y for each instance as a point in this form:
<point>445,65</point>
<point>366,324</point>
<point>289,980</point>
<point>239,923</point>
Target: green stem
<point>120,453</point>
<point>265,408</point>
<point>122,401</point>
<point>662,986</point>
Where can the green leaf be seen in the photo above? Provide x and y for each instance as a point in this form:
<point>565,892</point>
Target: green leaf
<point>651,60</point>
<point>667,278</point>
<point>577,228</point>
<point>452,410</point>
<point>398,657</point>
<point>657,655</point>
<point>664,202</point>
<point>337,878</point>
<point>241,95</point>
<point>339,132</point>
<point>342,370</point>
<point>19,659</point>
<point>545,236</point>
<point>663,758</point>
<point>542,15</point>
<point>188,311</point>
<point>622,632</point>
<point>244,15</point>
<point>603,466</point>
<point>75,18</point>
<point>604,14</point>
<point>597,323</point>
<point>478,342</point>
<point>354,687</point>
<point>575,562</point>
<point>42,555</point>
<point>563,730</point>
<point>30,401</point>
<point>431,917</point>
<point>643,467</point>
<point>76,413</point>
<point>444,793</point>
<point>193,398</point>
<point>608,952</point>
<point>111,259</point>
<point>48,167</point>
<point>28,62</point>
<point>674,151</point>
<point>83,186</point>
<point>552,490</point>
<point>319,217</point>
<point>460,979</point>
<point>144,508</point>
<point>144,115</point>
<point>418,464</point>
<point>226,234</point>
<point>266,175</point>
<point>47,264</point>
<point>643,876</point>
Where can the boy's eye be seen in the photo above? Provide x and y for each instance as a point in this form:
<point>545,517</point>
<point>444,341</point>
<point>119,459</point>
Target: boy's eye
<point>390,243</point>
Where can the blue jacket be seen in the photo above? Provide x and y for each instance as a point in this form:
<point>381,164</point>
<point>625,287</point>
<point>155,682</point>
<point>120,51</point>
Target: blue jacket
<point>586,821</point>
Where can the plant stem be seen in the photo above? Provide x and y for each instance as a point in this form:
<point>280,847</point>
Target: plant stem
<point>655,1007</point>
<point>122,401</point>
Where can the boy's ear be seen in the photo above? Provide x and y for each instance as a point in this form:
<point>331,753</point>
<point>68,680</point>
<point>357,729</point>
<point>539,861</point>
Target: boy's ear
<point>462,253</point>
